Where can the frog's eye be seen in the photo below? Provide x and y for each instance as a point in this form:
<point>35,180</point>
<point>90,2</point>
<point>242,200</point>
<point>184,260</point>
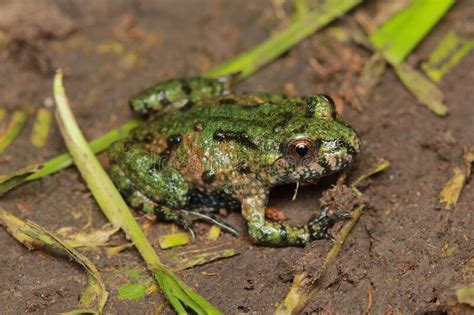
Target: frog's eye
<point>301,149</point>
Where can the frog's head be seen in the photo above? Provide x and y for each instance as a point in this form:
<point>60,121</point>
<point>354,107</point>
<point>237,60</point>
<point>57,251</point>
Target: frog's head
<point>317,142</point>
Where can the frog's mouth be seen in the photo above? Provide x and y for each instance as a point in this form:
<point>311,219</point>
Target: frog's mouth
<point>310,171</point>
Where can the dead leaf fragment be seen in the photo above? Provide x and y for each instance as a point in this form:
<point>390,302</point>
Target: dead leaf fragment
<point>425,91</point>
<point>114,250</point>
<point>466,295</point>
<point>447,250</point>
<point>78,238</point>
<point>468,159</point>
<point>453,188</point>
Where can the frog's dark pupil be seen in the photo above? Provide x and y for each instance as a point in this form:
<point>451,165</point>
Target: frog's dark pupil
<point>302,149</point>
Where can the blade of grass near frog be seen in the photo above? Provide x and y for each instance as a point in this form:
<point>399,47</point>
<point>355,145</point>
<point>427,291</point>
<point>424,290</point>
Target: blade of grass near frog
<point>399,36</point>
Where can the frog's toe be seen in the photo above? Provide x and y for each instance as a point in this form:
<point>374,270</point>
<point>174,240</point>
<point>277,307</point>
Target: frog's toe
<point>191,232</point>
<point>319,225</point>
<point>196,215</point>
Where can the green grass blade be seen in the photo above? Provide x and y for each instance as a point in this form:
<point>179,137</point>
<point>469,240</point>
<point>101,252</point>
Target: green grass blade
<point>248,62</point>
<point>9,181</point>
<point>35,171</point>
<point>448,53</point>
<point>98,145</point>
<point>402,33</point>
<point>14,128</point>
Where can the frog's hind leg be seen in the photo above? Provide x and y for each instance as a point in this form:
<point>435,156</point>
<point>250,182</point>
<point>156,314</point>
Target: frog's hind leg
<point>148,182</point>
<point>276,234</point>
<point>178,94</point>
<point>138,200</point>
<point>184,218</point>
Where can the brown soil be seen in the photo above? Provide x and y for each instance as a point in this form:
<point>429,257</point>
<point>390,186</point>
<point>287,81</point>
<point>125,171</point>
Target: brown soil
<point>109,50</point>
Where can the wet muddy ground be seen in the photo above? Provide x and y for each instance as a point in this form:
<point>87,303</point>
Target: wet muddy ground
<point>396,256</point>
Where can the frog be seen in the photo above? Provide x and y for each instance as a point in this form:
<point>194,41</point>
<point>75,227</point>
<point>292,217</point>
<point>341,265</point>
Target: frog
<point>203,148</point>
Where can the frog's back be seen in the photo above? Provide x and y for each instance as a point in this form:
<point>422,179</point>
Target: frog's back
<point>244,113</point>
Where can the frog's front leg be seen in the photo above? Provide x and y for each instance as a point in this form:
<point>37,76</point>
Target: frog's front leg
<point>178,94</point>
<point>276,234</point>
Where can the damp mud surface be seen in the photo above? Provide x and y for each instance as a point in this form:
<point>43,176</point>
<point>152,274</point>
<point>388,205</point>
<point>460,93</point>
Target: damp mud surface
<point>407,254</point>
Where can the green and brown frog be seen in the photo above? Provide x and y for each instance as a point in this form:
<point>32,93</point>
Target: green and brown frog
<point>204,148</point>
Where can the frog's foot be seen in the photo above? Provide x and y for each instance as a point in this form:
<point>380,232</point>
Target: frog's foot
<point>318,226</point>
<point>197,215</point>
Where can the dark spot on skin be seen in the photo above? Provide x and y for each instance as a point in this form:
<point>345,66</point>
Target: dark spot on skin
<point>127,145</point>
<point>156,167</point>
<point>227,101</point>
<point>160,214</point>
<point>243,168</point>
<point>187,106</point>
<point>127,191</point>
<point>172,142</point>
<point>208,176</point>
<point>350,149</point>
<point>186,88</point>
<point>322,161</point>
<point>148,138</point>
<point>198,127</point>
<point>165,102</point>
<point>283,233</point>
<point>238,136</point>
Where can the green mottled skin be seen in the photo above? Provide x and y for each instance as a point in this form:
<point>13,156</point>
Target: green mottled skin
<point>203,146</point>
